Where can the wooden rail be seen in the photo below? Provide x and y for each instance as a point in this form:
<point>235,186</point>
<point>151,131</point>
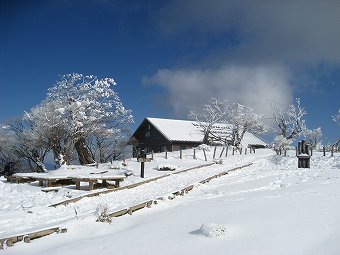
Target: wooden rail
<point>27,237</point>
<point>73,200</point>
<point>180,192</point>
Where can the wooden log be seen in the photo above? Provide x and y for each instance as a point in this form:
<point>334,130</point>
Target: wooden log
<point>77,184</point>
<point>119,213</point>
<point>91,185</point>
<point>9,242</point>
<point>27,239</point>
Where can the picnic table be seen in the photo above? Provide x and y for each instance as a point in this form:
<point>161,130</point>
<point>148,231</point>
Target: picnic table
<point>92,179</point>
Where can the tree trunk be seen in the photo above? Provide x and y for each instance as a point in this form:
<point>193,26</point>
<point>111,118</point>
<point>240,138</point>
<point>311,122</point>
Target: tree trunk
<point>83,153</point>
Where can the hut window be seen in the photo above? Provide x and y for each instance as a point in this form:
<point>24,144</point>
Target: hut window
<point>147,134</point>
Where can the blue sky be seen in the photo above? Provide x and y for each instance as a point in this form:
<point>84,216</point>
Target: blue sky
<point>169,57</point>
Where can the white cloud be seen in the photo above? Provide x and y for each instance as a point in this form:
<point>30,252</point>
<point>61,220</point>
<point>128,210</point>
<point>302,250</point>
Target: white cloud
<point>256,87</point>
<point>253,52</point>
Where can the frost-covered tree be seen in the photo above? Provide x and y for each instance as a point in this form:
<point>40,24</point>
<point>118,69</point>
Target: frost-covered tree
<point>313,137</point>
<point>336,118</point>
<point>243,119</point>
<point>89,105</point>
<point>107,146</point>
<point>290,123</point>
<point>48,122</point>
<point>27,144</point>
<point>280,143</point>
<point>7,154</point>
<point>76,108</point>
<point>239,118</point>
<point>215,111</point>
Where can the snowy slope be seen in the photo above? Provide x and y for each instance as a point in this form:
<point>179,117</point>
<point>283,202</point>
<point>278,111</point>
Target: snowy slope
<point>269,208</point>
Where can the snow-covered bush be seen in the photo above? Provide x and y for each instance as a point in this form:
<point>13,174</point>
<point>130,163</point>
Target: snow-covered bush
<point>203,147</point>
<point>102,213</point>
<point>313,137</point>
<point>280,143</point>
<point>213,230</point>
<point>166,167</point>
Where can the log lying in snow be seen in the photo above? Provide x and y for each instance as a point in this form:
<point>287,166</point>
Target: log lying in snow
<point>139,206</point>
<point>9,241</point>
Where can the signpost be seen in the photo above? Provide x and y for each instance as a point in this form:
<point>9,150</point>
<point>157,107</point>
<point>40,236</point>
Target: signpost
<point>142,159</point>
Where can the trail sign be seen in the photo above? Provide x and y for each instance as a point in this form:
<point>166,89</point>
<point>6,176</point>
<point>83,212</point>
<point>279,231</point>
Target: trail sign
<point>143,159</point>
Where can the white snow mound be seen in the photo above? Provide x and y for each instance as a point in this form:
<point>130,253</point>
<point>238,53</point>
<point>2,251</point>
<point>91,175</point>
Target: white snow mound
<point>213,230</point>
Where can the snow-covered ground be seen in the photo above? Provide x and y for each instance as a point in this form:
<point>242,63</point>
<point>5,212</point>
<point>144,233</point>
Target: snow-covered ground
<point>271,207</point>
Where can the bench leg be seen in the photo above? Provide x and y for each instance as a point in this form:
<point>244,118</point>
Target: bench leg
<point>77,184</point>
<point>90,185</point>
<point>41,183</point>
<point>117,183</point>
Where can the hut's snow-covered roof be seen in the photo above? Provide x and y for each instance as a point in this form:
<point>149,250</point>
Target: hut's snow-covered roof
<point>190,131</point>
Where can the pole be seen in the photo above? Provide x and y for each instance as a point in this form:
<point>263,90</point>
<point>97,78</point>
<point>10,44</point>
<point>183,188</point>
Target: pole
<point>142,169</point>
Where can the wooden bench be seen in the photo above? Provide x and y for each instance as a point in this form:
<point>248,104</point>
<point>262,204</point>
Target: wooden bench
<point>20,179</point>
<point>95,179</point>
<point>53,181</point>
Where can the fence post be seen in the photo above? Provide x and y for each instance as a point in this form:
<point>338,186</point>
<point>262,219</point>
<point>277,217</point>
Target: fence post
<point>205,156</point>
<point>233,150</point>
<point>332,151</point>
<point>324,151</point>
<point>152,155</point>
<point>226,151</point>
<point>285,153</point>
<point>245,151</point>
<point>214,152</point>
<point>194,153</point>
<point>222,152</point>
<point>241,151</point>
<point>166,153</point>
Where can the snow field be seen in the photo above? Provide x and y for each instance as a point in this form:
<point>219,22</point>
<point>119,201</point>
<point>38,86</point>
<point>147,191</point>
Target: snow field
<point>271,207</point>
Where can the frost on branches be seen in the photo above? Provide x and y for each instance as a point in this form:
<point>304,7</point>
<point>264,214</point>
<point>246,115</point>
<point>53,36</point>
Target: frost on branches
<point>77,109</point>
<point>240,118</point>
<point>243,119</point>
<point>214,112</point>
<point>290,123</point>
<point>313,137</point>
<point>280,143</point>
